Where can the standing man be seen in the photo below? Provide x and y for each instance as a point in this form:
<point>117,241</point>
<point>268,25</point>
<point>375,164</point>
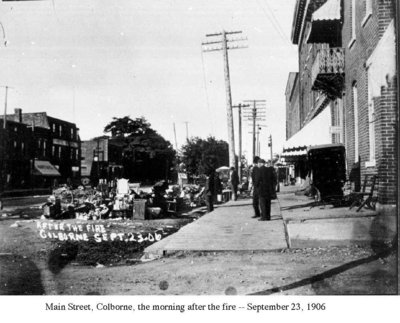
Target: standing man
<point>234,182</point>
<point>209,190</point>
<point>254,176</point>
<point>265,184</point>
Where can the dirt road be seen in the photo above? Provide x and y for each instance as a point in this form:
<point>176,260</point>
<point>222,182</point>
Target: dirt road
<point>347,270</point>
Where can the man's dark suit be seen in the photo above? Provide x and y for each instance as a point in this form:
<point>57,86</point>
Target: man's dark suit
<point>234,179</point>
<point>256,201</point>
<point>265,186</point>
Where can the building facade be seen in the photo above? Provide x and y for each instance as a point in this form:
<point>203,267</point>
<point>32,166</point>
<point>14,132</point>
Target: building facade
<point>347,69</point>
<point>369,37</point>
<point>15,155</point>
<point>102,158</point>
<point>292,105</point>
<point>53,146</point>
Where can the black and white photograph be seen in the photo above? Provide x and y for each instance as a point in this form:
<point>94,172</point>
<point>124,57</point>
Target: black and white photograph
<point>198,148</point>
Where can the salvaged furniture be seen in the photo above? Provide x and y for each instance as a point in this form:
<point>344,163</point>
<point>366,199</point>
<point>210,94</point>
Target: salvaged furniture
<point>366,197</point>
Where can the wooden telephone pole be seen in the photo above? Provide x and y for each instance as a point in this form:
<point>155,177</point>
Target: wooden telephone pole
<point>239,107</point>
<point>176,141</point>
<point>223,43</point>
<point>255,113</point>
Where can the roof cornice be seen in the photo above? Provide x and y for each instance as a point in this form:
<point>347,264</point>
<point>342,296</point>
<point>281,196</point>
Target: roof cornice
<point>298,18</point>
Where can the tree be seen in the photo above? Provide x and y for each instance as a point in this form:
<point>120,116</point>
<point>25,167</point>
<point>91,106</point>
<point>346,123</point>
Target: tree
<point>200,155</point>
<point>147,155</point>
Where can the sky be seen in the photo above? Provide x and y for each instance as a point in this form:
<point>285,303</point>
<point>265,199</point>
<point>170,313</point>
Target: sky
<point>87,61</point>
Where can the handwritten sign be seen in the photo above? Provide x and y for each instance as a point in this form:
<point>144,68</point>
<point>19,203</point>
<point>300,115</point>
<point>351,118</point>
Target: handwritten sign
<point>87,232</point>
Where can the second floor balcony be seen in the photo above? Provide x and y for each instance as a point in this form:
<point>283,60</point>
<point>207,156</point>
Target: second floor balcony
<point>327,73</point>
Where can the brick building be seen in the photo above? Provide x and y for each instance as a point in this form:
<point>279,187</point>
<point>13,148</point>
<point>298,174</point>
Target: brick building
<point>369,37</point>
<point>316,30</point>
<point>15,155</point>
<point>347,73</point>
<point>54,147</point>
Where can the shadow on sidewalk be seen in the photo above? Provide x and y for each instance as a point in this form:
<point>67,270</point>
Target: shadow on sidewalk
<point>330,273</point>
<point>299,206</point>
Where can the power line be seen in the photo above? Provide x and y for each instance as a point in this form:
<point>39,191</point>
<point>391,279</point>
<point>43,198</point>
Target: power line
<point>282,35</point>
<point>276,20</point>
<point>206,90</point>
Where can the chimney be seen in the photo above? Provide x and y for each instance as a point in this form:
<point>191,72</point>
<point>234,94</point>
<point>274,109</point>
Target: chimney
<point>18,115</point>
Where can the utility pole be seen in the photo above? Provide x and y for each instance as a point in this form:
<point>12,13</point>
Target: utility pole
<point>5,107</point>
<point>239,107</point>
<point>224,44</point>
<point>187,130</point>
<point>176,141</point>
<point>270,146</point>
<point>256,113</point>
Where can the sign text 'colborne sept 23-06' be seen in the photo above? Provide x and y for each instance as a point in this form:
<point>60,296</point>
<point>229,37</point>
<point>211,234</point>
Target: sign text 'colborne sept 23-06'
<point>92,232</point>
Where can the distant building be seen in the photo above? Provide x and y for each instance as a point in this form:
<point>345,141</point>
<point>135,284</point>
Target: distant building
<point>102,158</point>
<point>292,105</point>
<point>15,155</point>
<point>53,148</point>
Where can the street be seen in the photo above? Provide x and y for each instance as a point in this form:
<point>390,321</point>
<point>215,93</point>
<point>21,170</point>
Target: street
<point>320,268</point>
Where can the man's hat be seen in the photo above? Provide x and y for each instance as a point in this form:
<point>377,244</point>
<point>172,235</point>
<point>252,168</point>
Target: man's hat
<point>261,161</point>
<point>256,159</point>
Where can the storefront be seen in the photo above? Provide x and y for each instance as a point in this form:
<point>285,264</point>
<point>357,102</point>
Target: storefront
<point>44,173</point>
<point>316,132</point>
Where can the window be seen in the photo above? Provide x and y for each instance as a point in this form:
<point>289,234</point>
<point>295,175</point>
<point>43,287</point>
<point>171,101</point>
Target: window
<point>53,151</point>
<point>353,23</point>
<point>368,11</point>
<point>22,147</point>
<point>60,130</point>
<point>355,110</point>
<point>72,133</point>
<point>371,123</point>
<point>54,127</point>
<point>59,152</point>
<point>44,147</point>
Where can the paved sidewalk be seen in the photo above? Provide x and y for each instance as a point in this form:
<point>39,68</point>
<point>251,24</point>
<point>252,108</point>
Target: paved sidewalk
<point>228,228</point>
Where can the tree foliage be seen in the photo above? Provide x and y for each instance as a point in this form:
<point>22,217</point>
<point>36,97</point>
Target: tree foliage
<point>200,155</point>
<point>147,155</point>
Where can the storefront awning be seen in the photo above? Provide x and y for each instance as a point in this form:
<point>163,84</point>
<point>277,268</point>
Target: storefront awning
<point>45,168</point>
<point>326,23</point>
<point>316,132</point>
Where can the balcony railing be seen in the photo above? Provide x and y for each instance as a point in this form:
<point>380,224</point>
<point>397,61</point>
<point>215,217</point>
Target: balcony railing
<point>327,73</point>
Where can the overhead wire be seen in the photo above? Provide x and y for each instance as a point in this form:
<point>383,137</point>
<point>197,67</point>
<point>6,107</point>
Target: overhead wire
<point>276,21</point>
<point>206,89</point>
<point>281,35</point>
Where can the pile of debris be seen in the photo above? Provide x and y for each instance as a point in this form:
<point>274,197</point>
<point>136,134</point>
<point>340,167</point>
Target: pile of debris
<point>126,201</point>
